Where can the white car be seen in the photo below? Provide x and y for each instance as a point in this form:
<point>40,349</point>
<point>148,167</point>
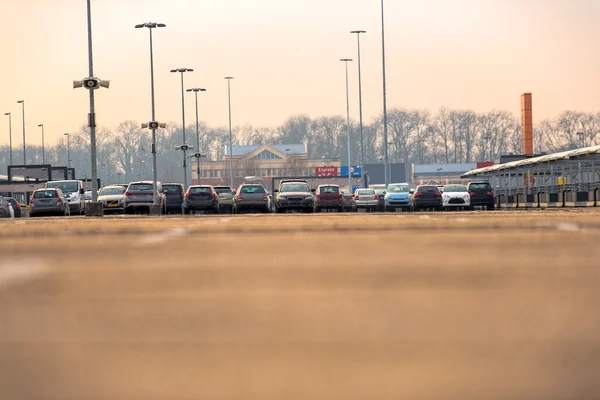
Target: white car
<point>367,199</point>
<point>455,196</point>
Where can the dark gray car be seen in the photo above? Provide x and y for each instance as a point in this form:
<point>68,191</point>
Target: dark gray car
<point>251,197</point>
<point>200,198</point>
<point>48,201</point>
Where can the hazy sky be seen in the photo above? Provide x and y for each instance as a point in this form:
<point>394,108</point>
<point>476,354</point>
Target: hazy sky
<point>284,55</point>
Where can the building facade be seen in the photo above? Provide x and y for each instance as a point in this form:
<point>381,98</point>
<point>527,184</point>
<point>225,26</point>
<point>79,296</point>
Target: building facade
<point>265,161</point>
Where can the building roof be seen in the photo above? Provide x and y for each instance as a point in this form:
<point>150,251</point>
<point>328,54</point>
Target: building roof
<point>445,169</point>
<point>245,150</point>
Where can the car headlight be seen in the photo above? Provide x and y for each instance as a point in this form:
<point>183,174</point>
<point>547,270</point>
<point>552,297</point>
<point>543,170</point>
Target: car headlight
<point>282,198</point>
<point>308,198</point>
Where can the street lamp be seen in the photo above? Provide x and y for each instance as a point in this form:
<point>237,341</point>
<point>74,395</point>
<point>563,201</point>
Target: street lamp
<point>346,61</point>
<point>68,135</point>
<point>184,146</point>
<point>43,155</point>
<point>581,138</point>
<point>385,126</point>
<point>389,164</point>
<point>10,136</point>
<point>153,124</point>
<point>196,90</point>
<point>439,170</point>
<point>360,108</point>
<point>287,161</point>
<point>22,102</point>
<point>229,78</point>
<point>92,83</point>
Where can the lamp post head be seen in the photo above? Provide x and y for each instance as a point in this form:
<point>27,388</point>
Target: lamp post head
<point>182,70</point>
<point>66,134</point>
<point>150,25</point>
<point>21,101</point>
<point>195,90</point>
<point>359,32</point>
<point>41,125</point>
<point>229,77</point>
<point>7,113</point>
<point>345,59</point>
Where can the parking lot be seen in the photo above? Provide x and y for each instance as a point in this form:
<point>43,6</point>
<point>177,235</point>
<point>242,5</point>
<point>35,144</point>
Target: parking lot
<point>469,305</point>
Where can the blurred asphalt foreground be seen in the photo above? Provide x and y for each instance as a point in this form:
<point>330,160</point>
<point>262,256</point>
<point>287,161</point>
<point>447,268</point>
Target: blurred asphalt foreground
<point>500,305</point>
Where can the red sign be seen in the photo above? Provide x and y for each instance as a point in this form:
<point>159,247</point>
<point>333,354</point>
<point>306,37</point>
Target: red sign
<point>327,171</point>
<point>485,164</point>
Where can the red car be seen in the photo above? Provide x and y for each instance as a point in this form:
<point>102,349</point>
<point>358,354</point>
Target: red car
<point>329,197</point>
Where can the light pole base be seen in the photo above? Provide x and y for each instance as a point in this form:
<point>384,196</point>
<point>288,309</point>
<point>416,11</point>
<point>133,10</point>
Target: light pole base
<point>155,210</point>
<point>94,210</point>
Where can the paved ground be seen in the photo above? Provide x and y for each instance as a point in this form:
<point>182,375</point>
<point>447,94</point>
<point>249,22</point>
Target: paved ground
<point>500,305</point>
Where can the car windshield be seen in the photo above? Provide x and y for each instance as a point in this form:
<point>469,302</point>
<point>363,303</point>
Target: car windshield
<point>480,186</point>
<point>294,187</point>
<point>172,188</point>
<point>66,187</point>
<point>200,190</point>
<point>141,187</point>
<point>112,191</point>
<point>221,190</point>
<point>45,194</point>
<point>398,189</point>
<point>252,189</point>
<point>455,189</point>
<point>428,189</point>
<point>365,192</point>
<point>330,189</point>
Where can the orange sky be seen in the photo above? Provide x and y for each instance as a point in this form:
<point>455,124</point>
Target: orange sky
<point>468,54</point>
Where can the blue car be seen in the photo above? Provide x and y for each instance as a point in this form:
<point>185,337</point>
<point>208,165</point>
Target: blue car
<point>397,197</point>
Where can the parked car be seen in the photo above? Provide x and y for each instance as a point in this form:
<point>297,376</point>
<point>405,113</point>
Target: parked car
<point>6,203</point>
<point>251,197</point>
<point>73,190</point>
<point>225,195</point>
<point>397,197</point>
<point>482,195</point>
<point>349,204</point>
<point>366,199</point>
<point>426,197</point>
<point>381,196</point>
<point>456,196</point>
<point>290,180</point>
<point>173,197</point>
<point>294,195</point>
<point>48,201</point>
<point>112,198</point>
<point>139,196</point>
<point>329,197</point>
<point>200,198</point>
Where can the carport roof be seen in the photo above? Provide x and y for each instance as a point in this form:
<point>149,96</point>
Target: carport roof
<point>548,158</point>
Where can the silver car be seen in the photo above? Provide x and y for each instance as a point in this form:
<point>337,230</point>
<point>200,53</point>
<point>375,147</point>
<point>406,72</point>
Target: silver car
<point>49,201</point>
<point>139,197</point>
<point>112,198</point>
<point>225,195</point>
<point>366,199</point>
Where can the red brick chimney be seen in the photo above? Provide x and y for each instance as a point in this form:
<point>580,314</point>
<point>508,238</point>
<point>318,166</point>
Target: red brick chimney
<point>526,124</point>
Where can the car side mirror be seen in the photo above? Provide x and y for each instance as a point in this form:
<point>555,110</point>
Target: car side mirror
<point>81,191</point>
<point>313,190</point>
<point>411,191</point>
<point>276,191</point>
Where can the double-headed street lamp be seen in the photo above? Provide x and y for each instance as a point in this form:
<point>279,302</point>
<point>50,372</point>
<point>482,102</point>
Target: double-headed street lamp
<point>229,78</point>
<point>196,90</point>
<point>360,108</point>
<point>184,146</point>
<point>22,102</point>
<point>68,135</point>
<point>10,136</point>
<point>43,151</point>
<point>346,61</point>
<point>92,83</point>
<point>153,124</point>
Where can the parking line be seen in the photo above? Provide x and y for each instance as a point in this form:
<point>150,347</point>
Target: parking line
<point>162,237</point>
<point>13,272</point>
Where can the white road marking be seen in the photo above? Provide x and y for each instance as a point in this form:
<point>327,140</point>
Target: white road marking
<point>568,226</point>
<point>13,272</point>
<point>162,237</point>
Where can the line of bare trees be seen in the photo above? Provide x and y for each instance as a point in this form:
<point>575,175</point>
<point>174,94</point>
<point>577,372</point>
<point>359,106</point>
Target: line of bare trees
<point>415,136</point>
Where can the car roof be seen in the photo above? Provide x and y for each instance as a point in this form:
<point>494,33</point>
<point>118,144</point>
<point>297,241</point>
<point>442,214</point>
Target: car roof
<point>225,186</point>
<point>329,185</point>
<point>197,186</point>
<point>171,183</point>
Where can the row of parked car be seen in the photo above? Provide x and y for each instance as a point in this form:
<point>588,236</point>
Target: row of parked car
<point>291,195</point>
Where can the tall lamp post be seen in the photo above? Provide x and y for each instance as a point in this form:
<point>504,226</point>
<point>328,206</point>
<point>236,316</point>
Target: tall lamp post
<point>43,151</point>
<point>287,161</point>
<point>94,209</point>
<point>581,139</point>
<point>346,61</point>
<point>153,124</point>
<point>10,136</point>
<point>229,78</point>
<point>68,135</point>
<point>360,109</point>
<point>487,148</point>
<point>22,102</point>
<point>196,90</point>
<point>385,124</point>
<point>184,147</point>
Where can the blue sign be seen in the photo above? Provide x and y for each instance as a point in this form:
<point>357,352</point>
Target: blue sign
<point>354,187</point>
<point>355,170</point>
